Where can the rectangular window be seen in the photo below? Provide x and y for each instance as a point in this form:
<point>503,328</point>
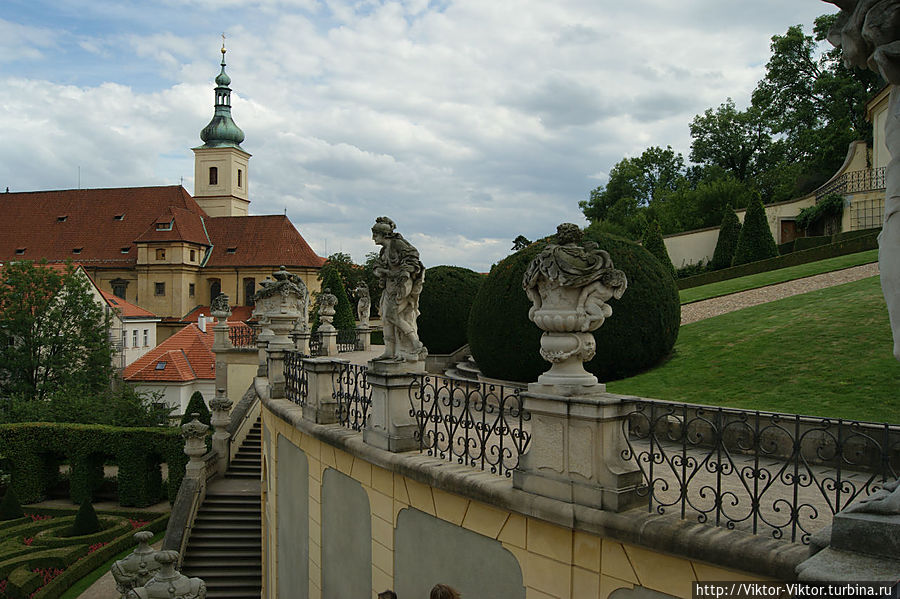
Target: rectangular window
<point>159,289</point>
<point>134,341</point>
<point>146,337</point>
<point>213,175</point>
<point>124,339</point>
<point>240,177</point>
<point>164,226</point>
<point>193,255</point>
<point>160,254</point>
<point>191,289</point>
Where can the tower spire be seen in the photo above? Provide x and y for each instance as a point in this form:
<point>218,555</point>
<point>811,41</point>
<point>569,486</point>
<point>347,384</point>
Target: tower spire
<point>222,131</point>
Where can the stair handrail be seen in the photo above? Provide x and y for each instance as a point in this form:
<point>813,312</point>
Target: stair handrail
<point>187,503</point>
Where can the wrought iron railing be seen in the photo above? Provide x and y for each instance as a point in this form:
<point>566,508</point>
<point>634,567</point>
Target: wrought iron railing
<point>346,340</point>
<point>315,343</point>
<point>477,424</point>
<point>759,471</point>
<point>855,182</point>
<point>296,381</point>
<point>352,394</point>
<point>242,336</point>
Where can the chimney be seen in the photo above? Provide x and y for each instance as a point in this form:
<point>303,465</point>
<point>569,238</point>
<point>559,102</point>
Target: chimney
<point>201,322</point>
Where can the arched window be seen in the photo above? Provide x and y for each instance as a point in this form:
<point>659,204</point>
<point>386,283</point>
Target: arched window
<point>215,288</point>
<point>249,290</point>
<point>213,175</point>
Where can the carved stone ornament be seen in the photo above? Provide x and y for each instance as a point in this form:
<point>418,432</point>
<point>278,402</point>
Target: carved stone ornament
<point>282,305</point>
<point>194,434</point>
<point>168,583</point>
<point>363,304</point>
<point>327,303</point>
<point>868,34</point>
<point>568,284</point>
<point>220,308</point>
<point>885,501</point>
<point>138,567</point>
<point>398,267</point>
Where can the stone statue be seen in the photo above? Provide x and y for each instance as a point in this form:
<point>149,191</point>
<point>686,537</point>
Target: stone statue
<point>138,567</point>
<point>868,33</point>
<point>168,582</point>
<point>568,284</point>
<point>885,501</point>
<point>399,268</point>
<point>363,304</point>
<point>286,294</point>
<point>327,303</point>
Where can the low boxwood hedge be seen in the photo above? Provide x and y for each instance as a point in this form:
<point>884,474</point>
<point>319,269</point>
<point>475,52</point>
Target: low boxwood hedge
<point>849,245</point>
<point>33,452</point>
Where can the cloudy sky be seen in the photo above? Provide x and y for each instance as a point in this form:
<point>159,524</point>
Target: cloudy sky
<point>469,122</point>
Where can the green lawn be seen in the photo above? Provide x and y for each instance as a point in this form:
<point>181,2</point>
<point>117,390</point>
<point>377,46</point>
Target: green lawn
<point>824,353</point>
<point>771,277</point>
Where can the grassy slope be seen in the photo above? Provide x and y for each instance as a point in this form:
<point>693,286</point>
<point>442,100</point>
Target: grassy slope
<point>771,277</point>
<point>824,353</point>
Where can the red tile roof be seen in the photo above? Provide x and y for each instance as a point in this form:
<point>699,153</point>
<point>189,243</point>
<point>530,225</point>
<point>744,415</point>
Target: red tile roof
<point>51,224</point>
<point>126,309</point>
<point>258,241</point>
<point>176,224</point>
<point>238,314</point>
<point>187,355</point>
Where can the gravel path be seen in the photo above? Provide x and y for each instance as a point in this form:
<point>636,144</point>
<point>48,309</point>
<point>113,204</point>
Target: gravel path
<point>744,299</point>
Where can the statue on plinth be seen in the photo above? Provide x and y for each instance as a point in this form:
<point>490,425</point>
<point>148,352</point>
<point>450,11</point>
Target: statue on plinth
<point>327,303</point>
<point>403,274</point>
<point>363,304</point>
<point>868,34</point>
<point>568,284</point>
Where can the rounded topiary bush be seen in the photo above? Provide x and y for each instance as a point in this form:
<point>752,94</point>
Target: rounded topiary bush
<point>638,335</point>
<point>444,305</point>
<point>86,521</point>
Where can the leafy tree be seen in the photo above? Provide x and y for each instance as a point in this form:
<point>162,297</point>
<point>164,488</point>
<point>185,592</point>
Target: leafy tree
<point>196,404</point>
<point>755,241</point>
<point>86,521</point>
<point>653,243</point>
<point>520,243</point>
<point>53,334</point>
<point>729,232</point>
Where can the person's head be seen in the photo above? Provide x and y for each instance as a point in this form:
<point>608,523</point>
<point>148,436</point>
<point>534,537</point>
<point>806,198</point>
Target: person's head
<point>443,591</point>
<point>388,594</point>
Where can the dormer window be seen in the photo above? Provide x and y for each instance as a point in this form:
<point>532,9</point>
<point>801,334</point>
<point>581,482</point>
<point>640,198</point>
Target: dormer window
<point>125,250</point>
<point>61,219</point>
<point>231,250</point>
<point>20,251</point>
<point>166,226</point>
<point>77,250</point>
<point>119,217</point>
<point>213,175</point>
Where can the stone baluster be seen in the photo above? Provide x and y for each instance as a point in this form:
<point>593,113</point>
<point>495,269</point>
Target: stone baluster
<point>577,435</point>
<point>220,419</point>
<point>220,404</point>
<point>194,433</point>
<point>321,405</point>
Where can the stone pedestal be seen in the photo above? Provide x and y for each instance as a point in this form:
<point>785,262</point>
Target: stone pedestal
<point>390,425</point>
<point>194,433</point>
<point>329,340</point>
<point>363,337</point>
<point>862,547</point>
<point>220,419</point>
<point>576,448</point>
<point>321,407</point>
<point>301,341</point>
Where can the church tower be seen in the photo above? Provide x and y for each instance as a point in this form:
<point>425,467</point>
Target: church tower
<point>221,181</point>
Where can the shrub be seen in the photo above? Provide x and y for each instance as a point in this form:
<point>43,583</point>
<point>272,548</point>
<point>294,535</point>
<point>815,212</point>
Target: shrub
<point>444,307</point>
<point>729,232</point>
<point>692,269</point>
<point>828,209</point>
<point>9,507</point>
<point>198,405</point>
<point>343,311</point>
<point>653,243</point>
<point>755,241</point>
<point>641,331</point>
<point>805,243</point>
<point>85,520</point>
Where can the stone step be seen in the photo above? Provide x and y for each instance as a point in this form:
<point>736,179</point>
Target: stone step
<point>226,552</point>
<point>229,510</point>
<point>234,534</point>
<point>468,368</point>
<point>232,501</point>
<point>242,475</point>
<point>248,461</point>
<point>235,526</point>
<point>226,569</point>
<point>224,518</point>
<point>243,592</point>
<point>236,545</point>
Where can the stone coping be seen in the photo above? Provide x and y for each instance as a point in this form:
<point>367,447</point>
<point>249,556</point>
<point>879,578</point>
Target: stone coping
<point>737,550</point>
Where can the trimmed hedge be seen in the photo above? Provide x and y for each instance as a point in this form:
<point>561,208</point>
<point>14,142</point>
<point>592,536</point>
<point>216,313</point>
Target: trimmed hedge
<point>444,305</point>
<point>9,507</point>
<point>86,522</point>
<point>852,245</point>
<point>807,243</point>
<point>137,451</point>
<point>729,232</point>
<point>640,332</point>
<point>755,241</point>
<point>653,243</point>
<point>196,404</point>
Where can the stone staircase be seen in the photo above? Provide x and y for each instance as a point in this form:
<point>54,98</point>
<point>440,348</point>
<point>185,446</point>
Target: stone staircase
<point>225,546</point>
<point>467,370</point>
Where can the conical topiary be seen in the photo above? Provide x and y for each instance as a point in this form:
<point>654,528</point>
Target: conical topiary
<point>755,241</point>
<point>729,232</point>
<point>196,404</point>
<point>653,243</point>
<point>85,520</point>
<point>9,507</point>
<point>343,311</point>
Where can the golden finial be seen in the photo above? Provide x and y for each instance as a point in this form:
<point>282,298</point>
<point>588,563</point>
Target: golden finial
<point>223,45</point>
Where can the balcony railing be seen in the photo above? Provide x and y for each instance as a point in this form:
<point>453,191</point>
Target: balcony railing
<point>242,336</point>
<point>353,395</point>
<point>296,380</point>
<point>477,424</point>
<point>854,182</point>
<point>758,471</point>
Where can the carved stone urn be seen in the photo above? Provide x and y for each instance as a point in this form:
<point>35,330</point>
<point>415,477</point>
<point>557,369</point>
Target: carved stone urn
<point>138,567</point>
<point>169,583</point>
<point>280,303</point>
<point>568,284</point>
<point>327,303</point>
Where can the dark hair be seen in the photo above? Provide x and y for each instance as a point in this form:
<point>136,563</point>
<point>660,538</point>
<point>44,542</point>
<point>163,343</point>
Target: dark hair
<point>443,591</point>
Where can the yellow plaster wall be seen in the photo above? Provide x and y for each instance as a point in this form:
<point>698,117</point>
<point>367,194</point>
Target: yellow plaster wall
<point>556,563</point>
